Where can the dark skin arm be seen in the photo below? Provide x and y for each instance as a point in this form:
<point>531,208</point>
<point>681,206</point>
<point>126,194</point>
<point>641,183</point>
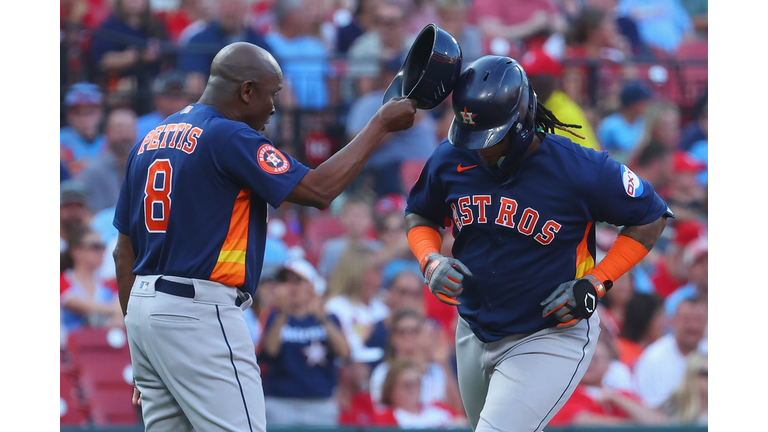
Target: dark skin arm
<point>323,184</point>
<point>124,260</point>
<point>412,220</point>
<point>646,235</point>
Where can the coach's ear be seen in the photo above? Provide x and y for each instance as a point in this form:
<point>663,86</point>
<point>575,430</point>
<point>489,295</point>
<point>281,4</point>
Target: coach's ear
<point>247,91</point>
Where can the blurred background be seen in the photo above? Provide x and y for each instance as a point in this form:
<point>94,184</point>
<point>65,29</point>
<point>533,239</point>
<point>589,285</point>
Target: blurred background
<point>633,73</point>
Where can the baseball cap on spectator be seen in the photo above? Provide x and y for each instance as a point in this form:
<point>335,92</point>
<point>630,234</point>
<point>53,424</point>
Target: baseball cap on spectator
<point>304,270</point>
<point>633,92</point>
<point>537,62</point>
<point>686,231</point>
<point>83,93</point>
<point>389,203</point>
<point>682,162</point>
<point>695,250</point>
<point>73,192</point>
<point>173,81</point>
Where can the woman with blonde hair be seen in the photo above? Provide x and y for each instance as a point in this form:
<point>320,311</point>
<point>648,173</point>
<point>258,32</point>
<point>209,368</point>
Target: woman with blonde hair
<point>689,403</point>
<point>354,297</point>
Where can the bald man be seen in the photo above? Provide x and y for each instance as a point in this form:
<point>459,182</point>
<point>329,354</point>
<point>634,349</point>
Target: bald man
<point>192,222</point>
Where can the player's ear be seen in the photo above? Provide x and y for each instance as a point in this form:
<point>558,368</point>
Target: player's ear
<point>247,91</point>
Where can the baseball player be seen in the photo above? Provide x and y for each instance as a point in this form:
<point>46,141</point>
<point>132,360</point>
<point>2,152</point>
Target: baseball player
<point>192,217</point>
<point>523,203</point>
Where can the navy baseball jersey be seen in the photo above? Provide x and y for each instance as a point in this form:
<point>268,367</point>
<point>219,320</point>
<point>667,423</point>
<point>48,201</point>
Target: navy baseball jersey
<point>306,365</point>
<point>195,194</point>
<point>525,234</point>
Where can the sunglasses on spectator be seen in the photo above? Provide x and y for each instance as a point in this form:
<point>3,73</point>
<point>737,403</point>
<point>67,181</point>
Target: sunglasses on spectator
<point>406,292</point>
<point>411,383</point>
<point>410,331</point>
<point>94,246</point>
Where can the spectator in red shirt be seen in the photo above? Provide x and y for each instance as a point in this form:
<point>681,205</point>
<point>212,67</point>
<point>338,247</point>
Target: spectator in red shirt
<point>669,273</point>
<point>594,404</point>
<point>644,323</point>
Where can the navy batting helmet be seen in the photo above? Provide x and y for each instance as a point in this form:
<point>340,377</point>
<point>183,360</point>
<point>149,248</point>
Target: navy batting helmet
<point>491,97</point>
<point>430,70</point>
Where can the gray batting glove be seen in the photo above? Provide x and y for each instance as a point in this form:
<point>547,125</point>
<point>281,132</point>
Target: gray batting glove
<point>574,300</point>
<point>444,277</point>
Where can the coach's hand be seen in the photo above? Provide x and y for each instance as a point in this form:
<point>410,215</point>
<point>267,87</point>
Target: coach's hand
<point>444,277</point>
<point>397,114</point>
<point>574,300</point>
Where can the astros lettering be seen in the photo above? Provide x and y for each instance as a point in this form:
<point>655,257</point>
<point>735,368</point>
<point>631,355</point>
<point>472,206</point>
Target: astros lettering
<point>181,136</point>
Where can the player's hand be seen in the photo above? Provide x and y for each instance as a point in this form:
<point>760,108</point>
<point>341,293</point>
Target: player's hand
<point>573,301</point>
<point>444,276</point>
<point>136,399</point>
<point>397,114</point>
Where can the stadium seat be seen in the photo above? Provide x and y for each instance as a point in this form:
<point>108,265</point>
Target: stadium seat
<point>93,340</point>
<point>97,373</point>
<point>318,230</point>
<point>72,410</point>
<point>409,173</point>
<point>113,407</point>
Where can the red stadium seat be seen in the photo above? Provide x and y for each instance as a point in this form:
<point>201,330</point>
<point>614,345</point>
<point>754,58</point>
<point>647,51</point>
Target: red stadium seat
<point>318,230</point>
<point>409,173</point>
<point>98,373</point>
<point>113,408</point>
<point>90,340</point>
<point>72,411</point>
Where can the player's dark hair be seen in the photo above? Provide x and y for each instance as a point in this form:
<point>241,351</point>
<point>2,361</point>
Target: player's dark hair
<point>547,121</point>
<point>640,310</point>
<point>652,151</point>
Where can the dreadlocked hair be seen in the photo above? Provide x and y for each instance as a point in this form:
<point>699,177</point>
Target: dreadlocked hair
<point>547,122</point>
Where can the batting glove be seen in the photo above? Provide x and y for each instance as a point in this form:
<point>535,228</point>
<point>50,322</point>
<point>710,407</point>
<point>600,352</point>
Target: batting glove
<point>574,300</point>
<point>444,276</point>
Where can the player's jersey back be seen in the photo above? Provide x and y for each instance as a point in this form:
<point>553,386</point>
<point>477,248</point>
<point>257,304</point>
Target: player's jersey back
<point>194,199</point>
<point>523,235</point>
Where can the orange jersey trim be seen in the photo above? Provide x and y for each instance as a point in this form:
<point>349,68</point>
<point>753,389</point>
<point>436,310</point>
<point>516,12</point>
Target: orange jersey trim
<point>230,266</point>
<point>584,260</point>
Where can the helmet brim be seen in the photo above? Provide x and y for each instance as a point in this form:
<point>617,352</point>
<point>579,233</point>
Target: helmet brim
<point>468,137</point>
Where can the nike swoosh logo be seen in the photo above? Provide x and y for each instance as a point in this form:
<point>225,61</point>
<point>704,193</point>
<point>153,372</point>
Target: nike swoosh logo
<point>462,169</point>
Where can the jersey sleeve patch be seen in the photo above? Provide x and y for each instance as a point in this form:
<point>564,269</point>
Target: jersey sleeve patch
<point>632,184</point>
<point>272,160</point>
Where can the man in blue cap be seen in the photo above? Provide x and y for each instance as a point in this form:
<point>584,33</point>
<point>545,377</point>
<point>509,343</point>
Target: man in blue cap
<point>81,140</point>
<point>619,133</point>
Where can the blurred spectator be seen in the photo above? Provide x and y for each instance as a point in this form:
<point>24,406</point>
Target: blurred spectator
<point>689,404</point>
<point>401,394</point>
<point>545,75</point>
<point>81,140</point>
<point>508,26</point>
<point>386,40</point>
<point>684,194</point>
<point>662,24</point>
<point>616,303</point>
<point>357,218</point>
<point>171,92</point>
<point>300,347</point>
<point>176,20</point>
<point>64,173</point>
<point>661,367</point>
<point>695,263</point>
<point>405,291</point>
<point>421,13</point>
<point>127,51</point>
<point>696,130</point>
<point>452,17</point>
<point>669,273</point>
<point>594,404</point>
<point>390,230</point>
<point>73,211</point>
<point>301,54</point>
<point>644,323</point>
<point>620,132</point>
<point>382,172</point>
<point>413,338</point>
<point>354,297</point>
<point>595,51</point>
<point>87,299</point>
<point>354,399</point>
<point>654,163</point>
<point>229,26</point>
<point>261,307</point>
<point>698,12</point>
<point>104,177</point>
<point>363,19</point>
<point>662,124</point>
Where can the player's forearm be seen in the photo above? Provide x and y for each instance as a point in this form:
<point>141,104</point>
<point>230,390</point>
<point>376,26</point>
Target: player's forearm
<point>646,235</point>
<point>323,184</point>
<point>124,261</point>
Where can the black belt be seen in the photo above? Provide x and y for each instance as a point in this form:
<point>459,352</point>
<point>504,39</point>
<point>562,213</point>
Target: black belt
<point>181,290</point>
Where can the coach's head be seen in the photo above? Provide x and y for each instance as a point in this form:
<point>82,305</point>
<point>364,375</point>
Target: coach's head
<point>243,84</point>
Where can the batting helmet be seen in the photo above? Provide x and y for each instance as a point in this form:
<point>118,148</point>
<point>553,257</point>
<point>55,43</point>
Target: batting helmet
<point>430,70</point>
<point>491,97</point>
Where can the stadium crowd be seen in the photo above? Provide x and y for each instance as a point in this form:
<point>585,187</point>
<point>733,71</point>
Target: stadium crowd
<point>344,328</point>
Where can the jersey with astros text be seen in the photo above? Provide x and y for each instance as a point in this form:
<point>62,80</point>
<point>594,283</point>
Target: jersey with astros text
<point>195,194</point>
<point>523,235</point>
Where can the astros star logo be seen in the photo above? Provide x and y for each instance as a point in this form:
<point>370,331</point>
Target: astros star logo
<point>467,116</point>
<point>315,353</point>
<point>272,160</point>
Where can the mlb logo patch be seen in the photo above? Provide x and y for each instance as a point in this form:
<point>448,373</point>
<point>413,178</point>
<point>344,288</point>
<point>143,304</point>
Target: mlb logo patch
<point>632,184</point>
<point>186,110</point>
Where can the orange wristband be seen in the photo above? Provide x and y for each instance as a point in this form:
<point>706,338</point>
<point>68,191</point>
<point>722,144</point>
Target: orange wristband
<point>423,241</point>
<point>625,253</point>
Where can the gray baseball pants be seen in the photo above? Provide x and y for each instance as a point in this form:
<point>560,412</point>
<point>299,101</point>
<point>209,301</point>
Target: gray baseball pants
<point>519,383</point>
<point>193,359</point>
